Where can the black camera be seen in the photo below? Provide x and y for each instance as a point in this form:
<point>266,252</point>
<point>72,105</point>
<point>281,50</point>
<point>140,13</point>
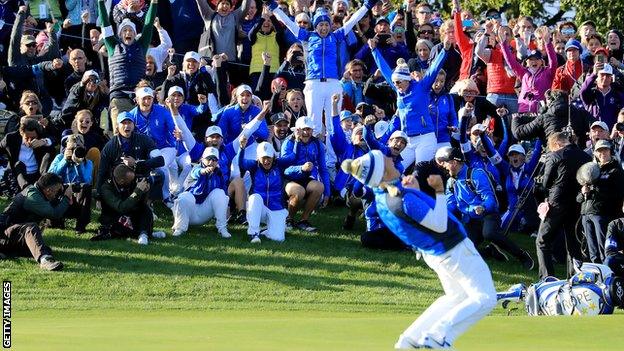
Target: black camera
<point>382,40</point>
<point>75,187</point>
<point>80,152</point>
<point>296,58</point>
<point>152,178</point>
<point>619,126</point>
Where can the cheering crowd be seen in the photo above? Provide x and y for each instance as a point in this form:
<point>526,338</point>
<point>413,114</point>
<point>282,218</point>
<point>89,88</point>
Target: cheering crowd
<point>243,113</point>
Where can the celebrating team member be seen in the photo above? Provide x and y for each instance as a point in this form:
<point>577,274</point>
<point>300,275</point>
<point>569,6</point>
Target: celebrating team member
<point>412,104</point>
<point>156,122</point>
<point>307,174</point>
<point>205,199</point>
<point>322,80</point>
<point>266,202</point>
<point>425,225</point>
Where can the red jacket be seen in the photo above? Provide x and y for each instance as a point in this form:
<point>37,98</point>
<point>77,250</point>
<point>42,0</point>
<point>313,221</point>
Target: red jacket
<point>499,81</point>
<point>567,75</point>
<point>466,47</point>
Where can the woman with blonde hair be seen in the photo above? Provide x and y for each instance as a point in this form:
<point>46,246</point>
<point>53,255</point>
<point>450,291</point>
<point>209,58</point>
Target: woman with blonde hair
<point>94,140</point>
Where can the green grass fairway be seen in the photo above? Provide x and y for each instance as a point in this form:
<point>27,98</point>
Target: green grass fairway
<point>235,330</point>
<point>201,292</point>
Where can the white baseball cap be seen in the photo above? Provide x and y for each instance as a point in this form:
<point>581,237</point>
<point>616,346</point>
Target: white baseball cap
<point>265,149</point>
<point>600,124</point>
<point>211,152</point>
<point>606,69</point>
<point>143,92</point>
<point>303,122</point>
<point>478,127</point>
<point>192,55</point>
<point>242,88</point>
<point>516,148</point>
<point>90,73</point>
<point>399,134</point>
<point>175,89</point>
<point>380,128</point>
<point>212,130</point>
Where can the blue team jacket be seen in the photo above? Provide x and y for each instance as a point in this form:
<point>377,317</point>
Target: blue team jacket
<point>206,183</point>
<point>268,184</point>
<point>158,125</point>
<point>295,154</point>
<point>415,205</point>
<point>344,150</point>
<point>460,196</point>
<point>232,118</point>
<point>413,105</point>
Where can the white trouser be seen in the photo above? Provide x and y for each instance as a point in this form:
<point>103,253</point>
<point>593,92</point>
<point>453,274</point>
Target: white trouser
<point>184,163</point>
<point>469,295</point>
<point>184,160</point>
<point>419,148</point>
<point>258,213</point>
<point>170,169</point>
<point>317,96</point>
<point>318,99</point>
<point>186,211</point>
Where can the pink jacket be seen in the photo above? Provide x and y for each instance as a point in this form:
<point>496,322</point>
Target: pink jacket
<point>533,85</point>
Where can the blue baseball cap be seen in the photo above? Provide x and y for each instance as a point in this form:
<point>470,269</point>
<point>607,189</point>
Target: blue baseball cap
<point>123,116</point>
<point>573,44</point>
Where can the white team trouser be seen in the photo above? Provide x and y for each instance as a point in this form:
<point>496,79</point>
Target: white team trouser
<point>186,211</point>
<point>419,148</point>
<point>184,163</point>
<point>469,295</point>
<point>258,213</point>
<point>317,96</point>
<point>184,160</point>
<point>170,170</point>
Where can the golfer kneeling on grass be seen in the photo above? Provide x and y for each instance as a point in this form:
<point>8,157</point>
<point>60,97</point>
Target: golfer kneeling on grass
<point>425,225</point>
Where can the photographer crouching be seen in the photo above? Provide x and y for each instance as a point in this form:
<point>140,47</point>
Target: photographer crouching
<point>20,234</point>
<point>77,174</point>
<point>125,209</point>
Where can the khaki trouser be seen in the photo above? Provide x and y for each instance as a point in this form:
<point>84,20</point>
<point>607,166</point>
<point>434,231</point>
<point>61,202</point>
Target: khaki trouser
<point>24,240</point>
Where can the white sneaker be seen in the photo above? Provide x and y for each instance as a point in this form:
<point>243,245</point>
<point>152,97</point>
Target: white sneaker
<point>159,235</point>
<point>178,232</point>
<point>428,342</point>
<point>255,239</point>
<point>142,239</point>
<point>225,234</point>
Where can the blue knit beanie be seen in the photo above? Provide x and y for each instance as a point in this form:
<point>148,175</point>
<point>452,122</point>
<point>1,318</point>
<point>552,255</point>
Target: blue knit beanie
<point>320,15</point>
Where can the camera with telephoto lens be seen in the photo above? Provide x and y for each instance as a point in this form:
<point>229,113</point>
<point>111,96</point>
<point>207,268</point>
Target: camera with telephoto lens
<point>152,178</point>
<point>619,126</point>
